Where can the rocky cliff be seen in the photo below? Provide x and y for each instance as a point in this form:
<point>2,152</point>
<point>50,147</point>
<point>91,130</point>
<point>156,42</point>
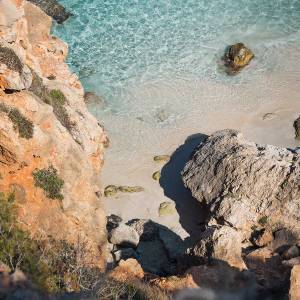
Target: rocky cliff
<point>51,147</point>
<point>246,184</point>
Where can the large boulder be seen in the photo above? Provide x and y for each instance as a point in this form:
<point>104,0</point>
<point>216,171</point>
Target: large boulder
<point>221,244</point>
<point>244,184</point>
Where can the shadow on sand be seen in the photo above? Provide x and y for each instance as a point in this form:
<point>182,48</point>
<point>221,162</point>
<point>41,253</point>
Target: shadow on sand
<point>192,213</point>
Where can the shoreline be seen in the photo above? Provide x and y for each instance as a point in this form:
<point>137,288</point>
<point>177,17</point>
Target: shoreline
<point>270,123</point>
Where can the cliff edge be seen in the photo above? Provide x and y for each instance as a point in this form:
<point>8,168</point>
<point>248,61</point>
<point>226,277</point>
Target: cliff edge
<point>51,147</point>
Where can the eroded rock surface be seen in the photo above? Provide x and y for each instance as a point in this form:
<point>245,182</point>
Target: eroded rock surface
<point>245,184</point>
<point>45,125</point>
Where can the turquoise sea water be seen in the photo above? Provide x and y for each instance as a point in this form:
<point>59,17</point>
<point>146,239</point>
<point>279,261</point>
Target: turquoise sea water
<point>117,44</point>
<point>156,63</point>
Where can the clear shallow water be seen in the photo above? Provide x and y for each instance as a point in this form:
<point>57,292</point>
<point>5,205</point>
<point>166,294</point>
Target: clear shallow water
<point>147,58</point>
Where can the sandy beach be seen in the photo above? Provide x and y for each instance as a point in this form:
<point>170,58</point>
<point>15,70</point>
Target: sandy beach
<point>264,114</point>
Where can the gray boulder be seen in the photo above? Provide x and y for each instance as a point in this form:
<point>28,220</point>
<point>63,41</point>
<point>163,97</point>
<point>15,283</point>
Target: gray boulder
<point>124,235</point>
<point>244,184</point>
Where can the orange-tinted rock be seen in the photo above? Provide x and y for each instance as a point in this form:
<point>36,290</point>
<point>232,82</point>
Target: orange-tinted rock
<point>173,283</point>
<point>295,283</point>
<point>75,152</point>
<point>127,270</point>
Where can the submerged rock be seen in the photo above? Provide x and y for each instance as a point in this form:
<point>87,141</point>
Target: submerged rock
<point>236,57</point>
<point>92,98</point>
<point>53,9</point>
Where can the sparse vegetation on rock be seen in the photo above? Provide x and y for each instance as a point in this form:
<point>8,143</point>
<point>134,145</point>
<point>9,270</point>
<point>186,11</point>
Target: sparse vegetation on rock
<point>50,182</point>
<point>10,59</point>
<point>55,98</point>
<point>21,123</point>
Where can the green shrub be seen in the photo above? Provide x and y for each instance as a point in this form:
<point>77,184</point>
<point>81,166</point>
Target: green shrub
<point>16,248</point>
<point>54,266</point>
<point>55,98</point>
<point>58,96</point>
<point>49,181</point>
<point>21,123</point>
<point>263,221</point>
<point>9,58</point>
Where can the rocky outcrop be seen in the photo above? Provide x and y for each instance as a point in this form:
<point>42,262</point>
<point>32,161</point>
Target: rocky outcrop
<point>51,148</point>
<point>253,197</point>
<point>53,9</point>
<point>295,283</point>
<point>236,57</point>
<point>245,184</point>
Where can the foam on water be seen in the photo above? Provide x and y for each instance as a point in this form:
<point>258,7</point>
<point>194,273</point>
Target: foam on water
<point>157,62</point>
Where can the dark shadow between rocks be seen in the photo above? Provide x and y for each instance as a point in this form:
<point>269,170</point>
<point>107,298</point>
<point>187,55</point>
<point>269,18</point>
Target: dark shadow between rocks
<point>192,213</point>
<point>159,249</point>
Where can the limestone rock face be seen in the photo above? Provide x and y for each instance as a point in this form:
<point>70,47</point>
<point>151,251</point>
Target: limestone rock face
<point>245,184</point>
<point>63,134</point>
<point>227,246</point>
<point>295,283</point>
<point>236,57</point>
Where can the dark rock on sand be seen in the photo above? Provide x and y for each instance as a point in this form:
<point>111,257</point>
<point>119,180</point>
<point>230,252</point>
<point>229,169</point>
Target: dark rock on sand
<point>297,128</point>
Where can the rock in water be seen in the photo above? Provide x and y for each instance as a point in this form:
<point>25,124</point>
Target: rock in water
<point>236,57</point>
<point>92,98</point>
<point>53,9</point>
<point>244,183</point>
